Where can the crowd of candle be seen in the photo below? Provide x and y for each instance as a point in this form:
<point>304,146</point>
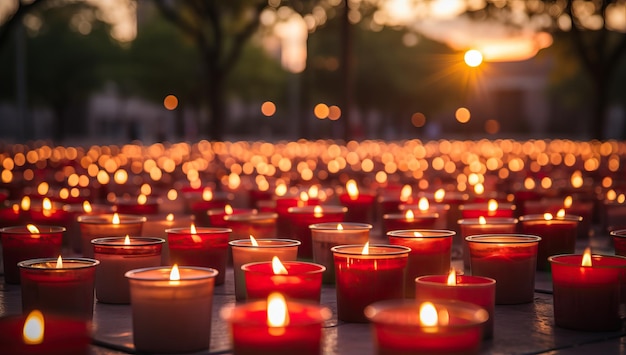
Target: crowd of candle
<point>157,227</point>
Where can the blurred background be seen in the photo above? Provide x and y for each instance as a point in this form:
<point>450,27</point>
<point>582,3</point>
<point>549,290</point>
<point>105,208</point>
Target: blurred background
<point>114,71</point>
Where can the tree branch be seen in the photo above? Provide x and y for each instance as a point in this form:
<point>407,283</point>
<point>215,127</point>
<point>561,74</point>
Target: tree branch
<point>240,38</point>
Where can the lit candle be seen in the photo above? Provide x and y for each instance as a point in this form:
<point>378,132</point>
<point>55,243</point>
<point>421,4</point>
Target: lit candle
<point>276,326</point>
<point>217,216</point>
<point>360,204</point>
<point>118,255</point>
<point>200,246</point>
<point>283,204</point>
<point>436,327</point>
<point>430,253</point>
<point>510,259</point>
<point>366,274</point>
<point>423,206</point>
<point>324,236</point>
<point>48,212</point>
<point>482,225</point>
<point>202,200</point>
<point>478,290</point>
<point>107,225</point>
<point>142,205</point>
<point>156,226</point>
<point>59,286</point>
<point>587,291</point>
<point>171,308</point>
<point>301,218</point>
<point>491,208</point>
<point>408,220</point>
<point>262,225</point>
<point>73,229</point>
<point>9,214</point>
<point>294,279</point>
<point>256,250</point>
<point>21,243</point>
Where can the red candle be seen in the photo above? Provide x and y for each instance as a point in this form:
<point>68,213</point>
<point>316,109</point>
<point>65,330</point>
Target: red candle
<point>217,216</point>
<point>301,218</point>
<point>558,234</point>
<point>619,241</point>
<point>200,201</point>
<point>478,290</point>
<point>9,214</point>
<point>257,195</point>
<point>262,225</point>
<point>482,225</point>
<point>21,243</point>
<point>107,225</point>
<point>586,291</point>
<point>73,228</point>
<point>283,204</point>
<point>436,327</point>
<point>510,259</point>
<point>142,205</point>
<point>408,220</point>
<point>156,226</point>
<point>491,208</point>
<point>276,327</point>
<point>392,201</point>
<point>118,255</point>
<point>59,286</point>
<point>366,274</point>
<point>429,255</point>
<point>425,207</point>
<point>294,279</point>
<point>202,246</point>
<point>360,204</point>
<point>49,213</point>
<point>37,333</point>
<point>571,205</point>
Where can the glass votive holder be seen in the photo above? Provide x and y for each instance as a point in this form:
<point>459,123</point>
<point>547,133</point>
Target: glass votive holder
<point>155,226</point>
<point>408,220</point>
<point>367,274</point>
<point>301,218</point>
<point>484,225</point>
<point>587,292</point>
<point>324,236</point>
<point>558,235</point>
<point>248,251</point>
<point>300,280</point>
<point>116,257</point>
<point>261,225</point>
<point>410,327</point>
<point>619,241</point>
<point>62,288</point>
<point>107,225</point>
<point>137,206</point>
<point>510,259</point>
<point>171,314</point>
<point>21,243</point>
<point>204,247</point>
<point>487,209</point>
<point>430,253</point>
<point>360,207</point>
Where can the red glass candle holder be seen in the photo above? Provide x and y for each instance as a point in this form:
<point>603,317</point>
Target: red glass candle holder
<point>171,316</point>
<point>244,252</point>
<point>55,215</point>
<point>104,225</point>
<point>19,244</point>
<point>475,210</point>
<point>324,236</point>
<point>303,280</point>
<point>619,241</point>
<point>362,279</point>
<point>67,290</point>
<point>478,290</point>
<point>442,209</point>
<point>73,228</point>
<point>116,258</point>
<point>208,247</point>
<point>301,218</point>
<point>398,329</point>
<point>217,216</point>
<point>478,226</point>
<point>360,208</point>
<point>261,225</point>
<point>61,336</point>
<point>587,297</point>
<point>199,203</point>
<point>558,235</point>
<point>282,206</point>
<point>9,214</point>
<point>430,253</point>
<point>137,207</point>
<point>156,225</point>
<point>251,335</point>
<point>510,259</point>
<point>255,196</point>
<point>402,221</point>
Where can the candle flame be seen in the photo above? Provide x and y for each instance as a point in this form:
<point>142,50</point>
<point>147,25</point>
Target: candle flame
<point>127,240</point>
<point>278,267</point>
<point>194,234</point>
<point>142,199</point>
<point>547,216</point>
<point>482,220</point>
<point>314,191</point>
<point>405,193</point>
<point>207,194</point>
<point>479,189</point>
<point>59,264</point>
<point>417,234</point>
<point>568,201</point>
<point>281,189</point>
<point>366,249</point>
<point>428,314</point>
<point>529,183</point>
<point>16,208</point>
<point>87,207</point>
<point>409,215</point>
<point>423,204</point>
<point>32,229</point>
<point>47,204</point>
<point>33,331</point>
<point>492,205</point>
<point>253,241</point>
<point>304,196</point>
<point>25,204</point>
<point>115,219</point>
<point>440,194</point>
<point>586,257</point>
<point>318,211</point>
<point>228,209</point>
<point>43,188</point>
<point>452,277</point>
<point>339,227</point>
<point>174,273</point>
<point>277,313</point>
<point>577,179</point>
<point>169,217</point>
<point>561,213</point>
<point>353,190</point>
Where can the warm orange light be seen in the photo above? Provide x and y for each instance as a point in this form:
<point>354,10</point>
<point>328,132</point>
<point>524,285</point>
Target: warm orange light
<point>115,219</point>
<point>423,204</point>
<point>366,249</point>
<point>318,211</point>
<point>479,189</point>
<point>59,264</point>
<point>428,315</point>
<point>32,229</point>
<point>253,242</point>
<point>280,190</point>
<point>277,313</point>
<point>268,108</point>
<point>482,220</point>
<point>170,102</point>
<point>304,197</point>
<point>576,179</point>
<point>586,257</point>
<point>561,213</point>
<point>207,194</point>
<point>352,189</point>
<point>174,273</point>
<point>87,207</point>
<point>142,199</point>
<point>339,227</point>
<point>409,215</point>
<point>529,183</point>
<point>492,205</point>
<point>43,188</point>
<point>405,193</point>
<point>568,201</point>
<point>547,216</point>
<point>417,234</point>
<point>278,267</point>
<point>25,204</point>
<point>169,217</point>
<point>314,191</point>
<point>127,240</point>
<point>33,331</point>
<point>194,234</point>
<point>440,194</point>
<point>228,209</point>
<point>452,277</point>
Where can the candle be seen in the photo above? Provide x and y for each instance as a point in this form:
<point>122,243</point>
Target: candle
<point>262,225</point>
<point>142,205</point>
<point>491,208</point>
<point>510,259</point>
<point>436,327</point>
<point>294,279</point>
<point>587,291</point>
<point>9,214</point>
<point>429,255</point>
<point>478,290</point>
<point>200,201</point>
<point>21,243</point>
<point>390,201</point>
<point>300,218</point>
<point>156,226</point>
<point>425,207</point>
<point>619,241</point>
<point>360,204</point>
<point>171,308</point>
<point>202,246</point>
<point>48,212</point>
<point>107,225</point>
<point>217,216</point>
<point>276,327</point>
<point>366,274</point>
<point>408,220</point>
<point>283,204</point>
<point>73,228</point>
<point>324,236</point>
<point>482,225</point>
<point>59,286</point>
<point>36,333</point>
<point>252,250</point>
<point>558,234</point>
<point>118,255</point>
